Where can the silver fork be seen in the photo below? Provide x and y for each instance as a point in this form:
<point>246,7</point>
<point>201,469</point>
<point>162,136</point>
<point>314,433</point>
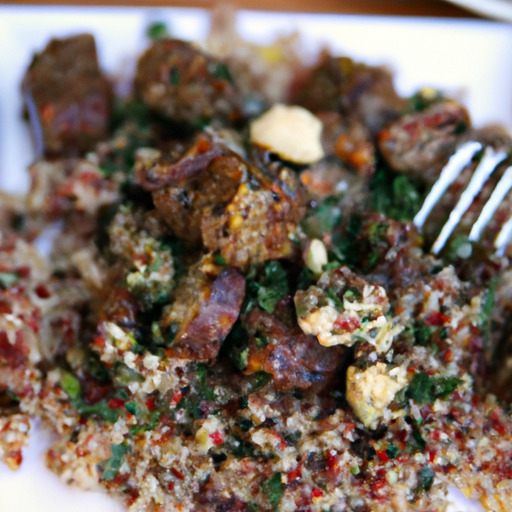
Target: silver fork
<point>489,162</point>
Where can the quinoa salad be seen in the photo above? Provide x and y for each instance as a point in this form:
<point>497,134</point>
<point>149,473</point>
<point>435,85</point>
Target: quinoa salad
<point>237,312</point>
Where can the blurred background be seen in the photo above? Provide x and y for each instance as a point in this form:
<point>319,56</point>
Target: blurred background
<point>437,8</point>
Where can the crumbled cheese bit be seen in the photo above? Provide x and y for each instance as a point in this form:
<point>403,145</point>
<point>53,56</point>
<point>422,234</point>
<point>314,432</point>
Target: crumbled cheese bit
<point>291,132</point>
<point>209,434</point>
<point>370,391</point>
<point>316,256</point>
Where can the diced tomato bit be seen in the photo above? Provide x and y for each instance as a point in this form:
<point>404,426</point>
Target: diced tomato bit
<point>436,318</point>
<point>332,459</point>
<point>42,291</point>
<point>456,395</point>
<point>435,435</point>
<point>175,400</point>
<point>99,342</point>
<point>178,474</point>
<point>5,308</point>
<point>316,493</point>
<point>23,272</point>
<point>116,403</point>
<point>203,146</point>
<point>447,355</point>
<point>347,323</point>
<point>382,456</point>
<point>33,321</point>
<point>411,370</point>
<point>496,424</point>
<point>150,404</point>
<point>217,437</point>
<point>294,474</point>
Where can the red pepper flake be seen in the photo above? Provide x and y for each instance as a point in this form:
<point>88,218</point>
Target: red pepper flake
<point>99,342</point>
<point>295,474</point>
<point>116,403</point>
<point>42,291</point>
<point>5,308</point>
<point>150,404</point>
<point>436,318</point>
<point>382,455</point>
<point>170,486</point>
<point>203,146</point>
<point>175,400</point>
<point>316,493</point>
<point>332,459</point>
<point>33,321</point>
<point>178,474</point>
<point>347,323</point>
<point>431,456</point>
<point>496,423</point>
<point>23,272</point>
<point>216,437</point>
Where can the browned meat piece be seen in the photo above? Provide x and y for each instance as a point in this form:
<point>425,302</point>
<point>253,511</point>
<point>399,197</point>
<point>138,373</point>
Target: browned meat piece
<point>258,224</point>
<point>67,97</point>
<point>205,177</point>
<point>231,206</point>
<point>419,144</point>
<point>205,312</point>
<point>342,85</point>
<point>350,140</point>
<point>185,85</point>
<point>295,360</point>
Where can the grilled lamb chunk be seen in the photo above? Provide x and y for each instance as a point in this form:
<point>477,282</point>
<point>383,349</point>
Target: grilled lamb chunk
<point>67,97</point>
<point>185,85</point>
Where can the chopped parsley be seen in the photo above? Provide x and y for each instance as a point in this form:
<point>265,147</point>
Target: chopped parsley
<point>157,30</point>
<point>394,195</point>
<point>273,489</point>
<point>425,389</point>
<point>71,385</point>
<point>113,464</point>
<point>266,286</point>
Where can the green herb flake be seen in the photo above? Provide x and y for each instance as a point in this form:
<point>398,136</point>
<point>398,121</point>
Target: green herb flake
<point>100,408</point>
<point>157,30</point>
<point>258,380</point>
<point>132,408</point>
<point>425,389</point>
<point>8,279</point>
<point>174,76</point>
<point>71,385</point>
<point>274,288</point>
<point>355,470</point>
<point>116,460</point>
<point>219,259</point>
<point>273,489</point>
<point>488,306</point>
<point>425,478</point>
<point>395,195</point>
<point>221,72</point>
<point>392,451</point>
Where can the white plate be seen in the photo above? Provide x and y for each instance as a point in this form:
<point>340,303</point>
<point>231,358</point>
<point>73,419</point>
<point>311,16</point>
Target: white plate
<point>470,60</point>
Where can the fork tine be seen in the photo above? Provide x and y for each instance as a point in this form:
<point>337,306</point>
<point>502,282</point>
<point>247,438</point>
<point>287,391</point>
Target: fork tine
<point>500,244</point>
<point>485,168</point>
<point>456,164</point>
<point>490,207</point>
